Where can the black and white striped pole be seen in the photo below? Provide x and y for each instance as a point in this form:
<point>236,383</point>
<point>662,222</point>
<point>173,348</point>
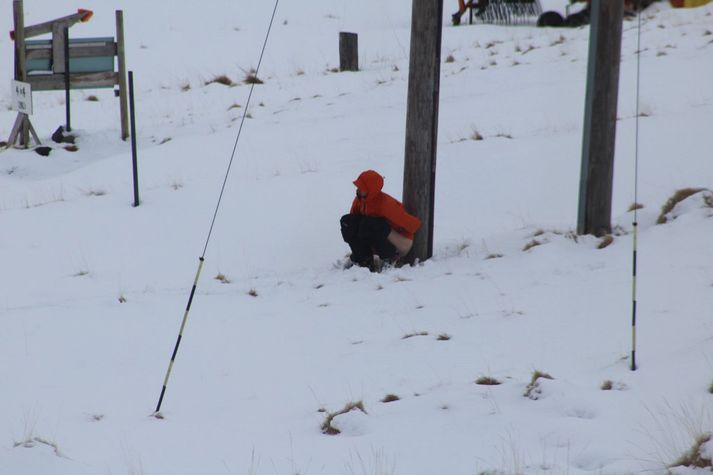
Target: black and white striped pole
<point>178,340</point>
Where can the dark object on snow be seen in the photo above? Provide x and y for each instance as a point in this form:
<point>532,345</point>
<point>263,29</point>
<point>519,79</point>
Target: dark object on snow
<point>59,137</point>
<point>550,19</point>
<point>367,236</point>
<point>44,151</point>
<point>578,19</point>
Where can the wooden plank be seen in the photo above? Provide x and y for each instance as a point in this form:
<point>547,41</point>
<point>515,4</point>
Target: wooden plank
<point>422,121</point>
<point>75,51</point>
<point>55,82</point>
<point>123,99</point>
<point>58,46</point>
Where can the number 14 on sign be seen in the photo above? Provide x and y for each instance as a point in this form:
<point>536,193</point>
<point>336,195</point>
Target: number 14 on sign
<point>22,97</point>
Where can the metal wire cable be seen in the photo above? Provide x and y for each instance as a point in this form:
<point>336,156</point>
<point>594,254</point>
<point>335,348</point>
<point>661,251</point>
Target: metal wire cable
<point>212,224</point>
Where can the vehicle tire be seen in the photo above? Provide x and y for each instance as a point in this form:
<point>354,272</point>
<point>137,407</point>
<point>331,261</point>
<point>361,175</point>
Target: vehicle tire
<point>550,19</point>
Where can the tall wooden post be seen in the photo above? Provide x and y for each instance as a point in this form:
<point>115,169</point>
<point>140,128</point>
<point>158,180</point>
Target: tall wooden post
<point>18,11</point>
<point>422,121</point>
<point>123,108</point>
<point>348,51</point>
<point>597,175</point>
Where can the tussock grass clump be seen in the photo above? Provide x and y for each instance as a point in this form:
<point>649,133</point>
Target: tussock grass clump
<point>710,388</point>
<point>531,244</point>
<point>251,78</point>
<point>443,337</point>
<point>694,456</point>
<point>411,335</point>
<point>606,240</point>
<point>221,79</point>
<point>234,106</point>
<point>634,206</point>
<point>676,198</point>
<point>122,299</point>
<point>487,381</point>
<point>475,135</point>
<point>390,398</point>
<point>252,293</point>
<point>607,385</point>
<point>71,148</point>
<point>493,256</point>
<point>92,98</point>
<point>533,389</point>
<point>450,59</point>
<point>222,278</point>
<point>328,428</point>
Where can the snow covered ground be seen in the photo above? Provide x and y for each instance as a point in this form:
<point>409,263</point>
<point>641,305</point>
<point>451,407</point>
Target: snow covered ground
<point>92,290</point>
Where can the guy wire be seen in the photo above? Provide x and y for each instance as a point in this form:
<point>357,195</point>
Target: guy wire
<point>215,215</point>
<point>635,224</point>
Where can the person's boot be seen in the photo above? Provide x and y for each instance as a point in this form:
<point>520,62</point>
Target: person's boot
<point>455,18</point>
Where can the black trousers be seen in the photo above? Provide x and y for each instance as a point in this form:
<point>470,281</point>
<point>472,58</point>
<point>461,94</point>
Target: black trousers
<point>366,236</point>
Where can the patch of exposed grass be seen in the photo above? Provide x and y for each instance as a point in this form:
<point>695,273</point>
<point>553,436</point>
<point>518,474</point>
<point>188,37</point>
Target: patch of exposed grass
<point>694,457</point>
<point>533,390</point>
<point>411,335</point>
<point>607,385</point>
<point>606,240</point>
<point>531,244</point>
<point>252,293</point>
<point>186,87</point>
<point>122,299</point>
<point>234,106</point>
<point>71,148</point>
<point>221,79</point>
<point>328,428</point>
<point>92,98</point>
<point>487,381</point>
<point>450,59</point>
<point>390,398</point>
<point>493,256</point>
<point>634,206</point>
<point>503,135</point>
<point>443,337</point>
<point>676,198</point>
<point>251,78</point>
<point>475,135</point>
<point>222,278</point>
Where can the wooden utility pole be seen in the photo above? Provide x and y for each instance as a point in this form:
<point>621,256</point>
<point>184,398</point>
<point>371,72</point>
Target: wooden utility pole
<point>123,109</point>
<point>23,122</point>
<point>422,121</point>
<point>597,175</point>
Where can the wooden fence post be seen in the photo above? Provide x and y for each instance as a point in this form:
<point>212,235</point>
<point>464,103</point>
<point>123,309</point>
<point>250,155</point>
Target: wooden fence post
<point>348,51</point>
<point>122,74</point>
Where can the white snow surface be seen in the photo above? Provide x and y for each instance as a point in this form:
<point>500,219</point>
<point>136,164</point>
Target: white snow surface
<point>93,290</point>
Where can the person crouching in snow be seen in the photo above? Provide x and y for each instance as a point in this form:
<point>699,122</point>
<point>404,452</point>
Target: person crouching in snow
<point>377,224</point>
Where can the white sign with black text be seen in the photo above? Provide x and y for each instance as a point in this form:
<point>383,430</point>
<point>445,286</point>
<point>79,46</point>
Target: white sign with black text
<point>22,97</point>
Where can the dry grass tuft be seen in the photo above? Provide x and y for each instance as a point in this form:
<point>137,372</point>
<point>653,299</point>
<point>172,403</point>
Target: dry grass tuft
<point>694,456</point>
<point>531,244</point>
<point>234,106</point>
<point>122,299</point>
<point>634,206</point>
<point>390,398</point>
<point>221,79</point>
<point>251,78</point>
<point>493,256</point>
<point>710,388</point>
<point>328,428</point>
<point>252,293</point>
<point>222,278</point>
<point>186,87</point>
<point>450,59</point>
<point>533,389</point>
<point>487,381</point>
<point>443,337</point>
<point>411,335</point>
<point>475,135</point>
<point>92,98</point>
<point>71,148</point>
<point>607,385</point>
<point>677,197</point>
<point>606,240</point>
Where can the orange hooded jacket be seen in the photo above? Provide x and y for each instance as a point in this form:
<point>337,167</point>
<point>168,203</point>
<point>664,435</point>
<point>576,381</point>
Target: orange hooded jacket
<point>380,204</point>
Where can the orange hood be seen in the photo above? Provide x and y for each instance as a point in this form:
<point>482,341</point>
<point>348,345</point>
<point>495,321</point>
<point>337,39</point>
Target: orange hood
<point>371,182</point>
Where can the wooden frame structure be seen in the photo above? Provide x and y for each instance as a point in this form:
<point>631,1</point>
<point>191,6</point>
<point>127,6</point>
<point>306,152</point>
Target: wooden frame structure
<point>62,63</point>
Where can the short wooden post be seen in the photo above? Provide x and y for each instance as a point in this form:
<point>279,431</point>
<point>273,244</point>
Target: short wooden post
<point>122,74</point>
<point>597,173</point>
<point>67,79</point>
<point>422,121</point>
<point>348,51</point>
